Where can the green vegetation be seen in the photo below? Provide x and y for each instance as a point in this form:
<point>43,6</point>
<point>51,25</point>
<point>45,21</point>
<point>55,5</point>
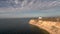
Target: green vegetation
<point>54,19</point>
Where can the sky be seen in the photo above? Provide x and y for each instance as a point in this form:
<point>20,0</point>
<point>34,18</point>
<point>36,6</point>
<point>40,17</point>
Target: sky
<point>29,8</point>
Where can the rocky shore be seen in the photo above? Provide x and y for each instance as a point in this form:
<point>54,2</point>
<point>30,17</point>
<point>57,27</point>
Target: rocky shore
<point>50,26</point>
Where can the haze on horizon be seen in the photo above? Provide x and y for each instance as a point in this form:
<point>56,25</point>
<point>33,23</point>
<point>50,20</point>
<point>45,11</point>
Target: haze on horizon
<point>29,8</point>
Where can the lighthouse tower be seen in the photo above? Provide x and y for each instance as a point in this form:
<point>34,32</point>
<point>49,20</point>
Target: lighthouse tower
<point>40,18</point>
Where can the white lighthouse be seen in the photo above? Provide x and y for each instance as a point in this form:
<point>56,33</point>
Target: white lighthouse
<point>39,17</point>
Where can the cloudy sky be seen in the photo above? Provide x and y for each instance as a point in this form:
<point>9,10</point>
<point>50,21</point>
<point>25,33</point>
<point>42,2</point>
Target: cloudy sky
<point>29,8</point>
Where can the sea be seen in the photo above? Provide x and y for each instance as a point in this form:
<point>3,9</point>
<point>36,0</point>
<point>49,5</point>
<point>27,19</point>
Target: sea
<point>14,25</point>
<point>17,26</point>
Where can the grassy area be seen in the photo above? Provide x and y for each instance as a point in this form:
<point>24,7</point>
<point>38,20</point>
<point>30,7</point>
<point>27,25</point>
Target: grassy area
<point>36,30</point>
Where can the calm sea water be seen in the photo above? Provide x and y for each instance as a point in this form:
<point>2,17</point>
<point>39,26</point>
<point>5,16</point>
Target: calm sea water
<point>17,25</point>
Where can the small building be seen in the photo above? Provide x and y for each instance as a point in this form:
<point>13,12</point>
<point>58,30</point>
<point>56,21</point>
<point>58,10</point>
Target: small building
<point>39,17</point>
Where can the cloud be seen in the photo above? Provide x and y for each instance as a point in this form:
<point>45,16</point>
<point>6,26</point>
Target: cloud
<point>29,4</point>
<point>11,7</point>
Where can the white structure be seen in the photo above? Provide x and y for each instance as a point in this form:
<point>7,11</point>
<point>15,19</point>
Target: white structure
<point>39,17</point>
